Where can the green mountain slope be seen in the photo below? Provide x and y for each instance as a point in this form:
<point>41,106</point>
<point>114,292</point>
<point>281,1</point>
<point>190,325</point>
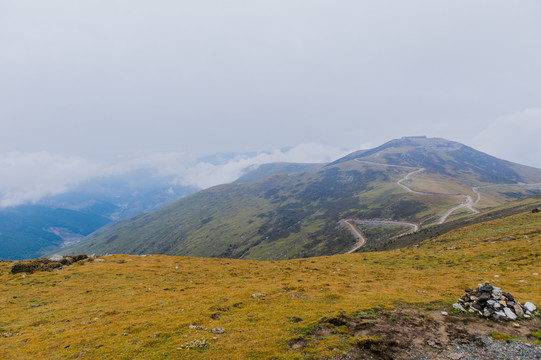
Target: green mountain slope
<point>257,172</point>
<point>415,180</point>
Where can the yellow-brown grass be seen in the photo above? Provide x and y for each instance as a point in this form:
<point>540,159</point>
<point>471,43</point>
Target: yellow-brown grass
<point>132,307</point>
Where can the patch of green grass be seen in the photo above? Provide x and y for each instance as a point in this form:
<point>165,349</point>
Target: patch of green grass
<point>503,337</point>
<point>365,314</point>
<point>307,330</point>
<point>500,336</point>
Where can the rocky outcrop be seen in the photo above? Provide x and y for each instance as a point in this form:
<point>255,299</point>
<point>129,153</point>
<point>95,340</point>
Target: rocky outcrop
<point>55,262</point>
<point>491,302</point>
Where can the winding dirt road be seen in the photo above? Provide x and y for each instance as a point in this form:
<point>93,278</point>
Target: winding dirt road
<point>361,240</point>
<point>469,204</point>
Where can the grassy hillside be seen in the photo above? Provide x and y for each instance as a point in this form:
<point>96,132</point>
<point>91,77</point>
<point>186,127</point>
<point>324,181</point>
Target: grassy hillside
<point>257,172</point>
<point>297,215</point>
<point>133,307</point>
<point>282,216</point>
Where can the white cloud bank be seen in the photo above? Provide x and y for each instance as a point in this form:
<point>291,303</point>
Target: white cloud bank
<point>27,177</point>
<point>204,174</point>
<point>515,137</point>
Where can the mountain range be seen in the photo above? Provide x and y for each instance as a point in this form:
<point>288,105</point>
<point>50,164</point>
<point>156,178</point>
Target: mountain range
<point>282,211</point>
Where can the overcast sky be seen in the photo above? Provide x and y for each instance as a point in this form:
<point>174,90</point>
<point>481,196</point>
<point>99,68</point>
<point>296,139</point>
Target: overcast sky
<point>92,81</point>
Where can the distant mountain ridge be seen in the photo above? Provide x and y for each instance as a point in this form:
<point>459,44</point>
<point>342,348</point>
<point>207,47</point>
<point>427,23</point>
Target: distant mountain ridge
<point>298,214</point>
<point>29,231</point>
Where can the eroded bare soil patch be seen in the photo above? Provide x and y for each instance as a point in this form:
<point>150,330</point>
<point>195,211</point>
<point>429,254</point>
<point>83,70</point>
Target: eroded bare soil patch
<point>422,333</point>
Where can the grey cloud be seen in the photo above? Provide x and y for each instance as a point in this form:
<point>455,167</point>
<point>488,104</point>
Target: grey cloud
<point>205,174</point>
<point>515,137</point>
<point>28,177</point>
<point>96,78</point>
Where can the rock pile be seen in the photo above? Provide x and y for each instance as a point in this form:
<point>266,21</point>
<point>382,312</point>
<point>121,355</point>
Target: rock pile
<point>55,262</point>
<point>491,302</point>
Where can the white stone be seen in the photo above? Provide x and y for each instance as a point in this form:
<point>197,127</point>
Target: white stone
<point>509,313</point>
<point>530,307</point>
<point>444,313</point>
<point>459,307</point>
<point>56,257</point>
<point>500,313</point>
<point>218,330</point>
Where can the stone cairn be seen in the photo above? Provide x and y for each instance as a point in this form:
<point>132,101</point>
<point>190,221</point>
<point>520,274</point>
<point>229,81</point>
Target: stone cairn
<point>491,302</point>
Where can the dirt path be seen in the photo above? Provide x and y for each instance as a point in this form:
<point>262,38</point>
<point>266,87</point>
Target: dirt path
<point>468,201</point>
<point>407,177</point>
<point>361,240</point>
<point>469,204</point>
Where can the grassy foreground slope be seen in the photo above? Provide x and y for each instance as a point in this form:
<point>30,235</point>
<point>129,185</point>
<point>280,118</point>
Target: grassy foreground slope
<point>135,307</point>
